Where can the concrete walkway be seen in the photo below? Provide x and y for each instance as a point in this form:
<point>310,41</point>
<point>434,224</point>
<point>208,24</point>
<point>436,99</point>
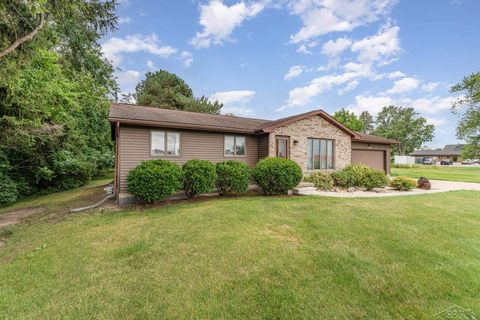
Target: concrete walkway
<point>437,186</point>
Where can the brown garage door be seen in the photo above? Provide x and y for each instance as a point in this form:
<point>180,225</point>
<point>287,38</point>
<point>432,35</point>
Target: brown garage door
<point>371,158</point>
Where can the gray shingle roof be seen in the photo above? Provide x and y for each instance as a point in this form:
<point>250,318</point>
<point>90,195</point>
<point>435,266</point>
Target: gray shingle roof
<point>448,150</point>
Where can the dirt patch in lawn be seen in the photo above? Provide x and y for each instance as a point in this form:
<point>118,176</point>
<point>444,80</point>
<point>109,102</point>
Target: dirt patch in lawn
<point>20,214</point>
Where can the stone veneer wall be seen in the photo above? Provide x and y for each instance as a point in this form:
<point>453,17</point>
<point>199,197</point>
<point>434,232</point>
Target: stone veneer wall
<point>314,127</point>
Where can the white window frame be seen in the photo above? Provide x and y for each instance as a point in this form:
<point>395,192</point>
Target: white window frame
<point>165,139</point>
<point>234,146</point>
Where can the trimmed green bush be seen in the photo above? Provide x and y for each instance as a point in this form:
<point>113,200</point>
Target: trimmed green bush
<point>199,176</point>
<point>232,176</point>
<point>322,181</point>
<point>359,176</point>
<point>277,175</point>
<point>373,179</point>
<point>154,180</point>
<point>350,176</point>
<point>403,183</point>
<point>8,189</point>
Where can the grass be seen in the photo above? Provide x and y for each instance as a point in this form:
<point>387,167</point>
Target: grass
<point>52,202</point>
<point>250,258</point>
<point>450,173</point>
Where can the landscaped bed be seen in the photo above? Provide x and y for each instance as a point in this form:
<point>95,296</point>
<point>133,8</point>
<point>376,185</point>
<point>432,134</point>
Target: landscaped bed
<point>252,257</point>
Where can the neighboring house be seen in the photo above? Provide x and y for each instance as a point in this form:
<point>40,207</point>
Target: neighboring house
<point>450,152</point>
<point>315,140</point>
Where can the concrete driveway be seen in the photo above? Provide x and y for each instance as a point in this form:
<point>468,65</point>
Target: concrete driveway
<point>437,186</point>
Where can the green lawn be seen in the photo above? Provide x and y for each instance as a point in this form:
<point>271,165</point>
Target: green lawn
<point>250,258</point>
<point>452,173</point>
<point>52,202</point>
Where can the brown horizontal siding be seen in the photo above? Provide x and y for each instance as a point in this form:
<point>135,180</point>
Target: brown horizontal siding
<point>134,148</point>
<point>263,142</point>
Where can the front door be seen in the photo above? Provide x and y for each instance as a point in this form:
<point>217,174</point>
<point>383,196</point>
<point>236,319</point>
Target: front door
<point>283,147</point>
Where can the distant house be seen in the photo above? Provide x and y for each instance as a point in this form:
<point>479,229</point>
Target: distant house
<point>314,140</point>
<point>450,152</point>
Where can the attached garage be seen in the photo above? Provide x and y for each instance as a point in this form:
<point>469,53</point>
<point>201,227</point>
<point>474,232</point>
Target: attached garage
<point>375,155</point>
<point>372,158</point>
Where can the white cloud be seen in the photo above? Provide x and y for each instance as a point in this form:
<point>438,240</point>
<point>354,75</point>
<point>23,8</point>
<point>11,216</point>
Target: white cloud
<point>186,58</point>
<point>374,104</point>
<point>332,63</point>
<point>235,101</point>
<point>114,48</point>
<point>430,86</point>
<point>404,85</point>
<point>234,96</point>
<point>301,96</point>
<point>322,17</point>
<point>438,122</point>
<point>219,20</point>
<point>241,111</point>
<point>124,20</point>
<point>379,47</point>
<point>128,80</point>
<point>151,65</point>
<point>334,48</point>
<point>396,74</point>
<point>304,49</point>
<point>350,87</point>
<point>294,72</point>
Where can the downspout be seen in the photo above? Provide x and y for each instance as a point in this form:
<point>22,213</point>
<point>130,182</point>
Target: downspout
<point>116,186</point>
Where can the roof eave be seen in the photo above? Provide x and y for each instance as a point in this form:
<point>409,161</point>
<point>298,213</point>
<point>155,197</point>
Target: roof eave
<point>323,114</point>
<point>176,125</point>
<point>375,141</point>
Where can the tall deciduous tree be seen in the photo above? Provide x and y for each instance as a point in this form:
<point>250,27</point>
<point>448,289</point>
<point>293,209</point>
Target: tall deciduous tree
<point>349,119</point>
<point>166,90</point>
<point>367,120</point>
<point>54,90</point>
<point>468,106</point>
<point>404,125</point>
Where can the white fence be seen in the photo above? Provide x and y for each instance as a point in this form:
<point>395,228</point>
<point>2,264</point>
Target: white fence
<point>404,160</point>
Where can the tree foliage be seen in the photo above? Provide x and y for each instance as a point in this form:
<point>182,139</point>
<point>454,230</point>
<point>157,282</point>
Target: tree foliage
<point>54,91</point>
<point>367,119</point>
<point>468,106</point>
<point>166,90</point>
<point>349,119</point>
<point>404,125</point>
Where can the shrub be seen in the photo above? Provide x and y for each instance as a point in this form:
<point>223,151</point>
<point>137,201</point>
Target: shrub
<point>350,176</point>
<point>154,180</point>
<point>373,179</point>
<point>359,176</point>
<point>8,189</point>
<point>198,177</point>
<point>403,183</point>
<point>322,181</point>
<point>233,176</point>
<point>277,175</point>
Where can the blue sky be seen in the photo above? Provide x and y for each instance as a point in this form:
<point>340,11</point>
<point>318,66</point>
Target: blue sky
<point>270,59</point>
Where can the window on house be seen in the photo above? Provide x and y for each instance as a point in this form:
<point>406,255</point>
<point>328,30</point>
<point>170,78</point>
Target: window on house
<point>165,143</point>
<point>234,146</point>
<point>282,147</point>
<point>320,154</point>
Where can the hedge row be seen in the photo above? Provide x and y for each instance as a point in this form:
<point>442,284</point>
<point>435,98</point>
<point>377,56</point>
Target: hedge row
<point>350,176</point>
<point>154,180</point>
